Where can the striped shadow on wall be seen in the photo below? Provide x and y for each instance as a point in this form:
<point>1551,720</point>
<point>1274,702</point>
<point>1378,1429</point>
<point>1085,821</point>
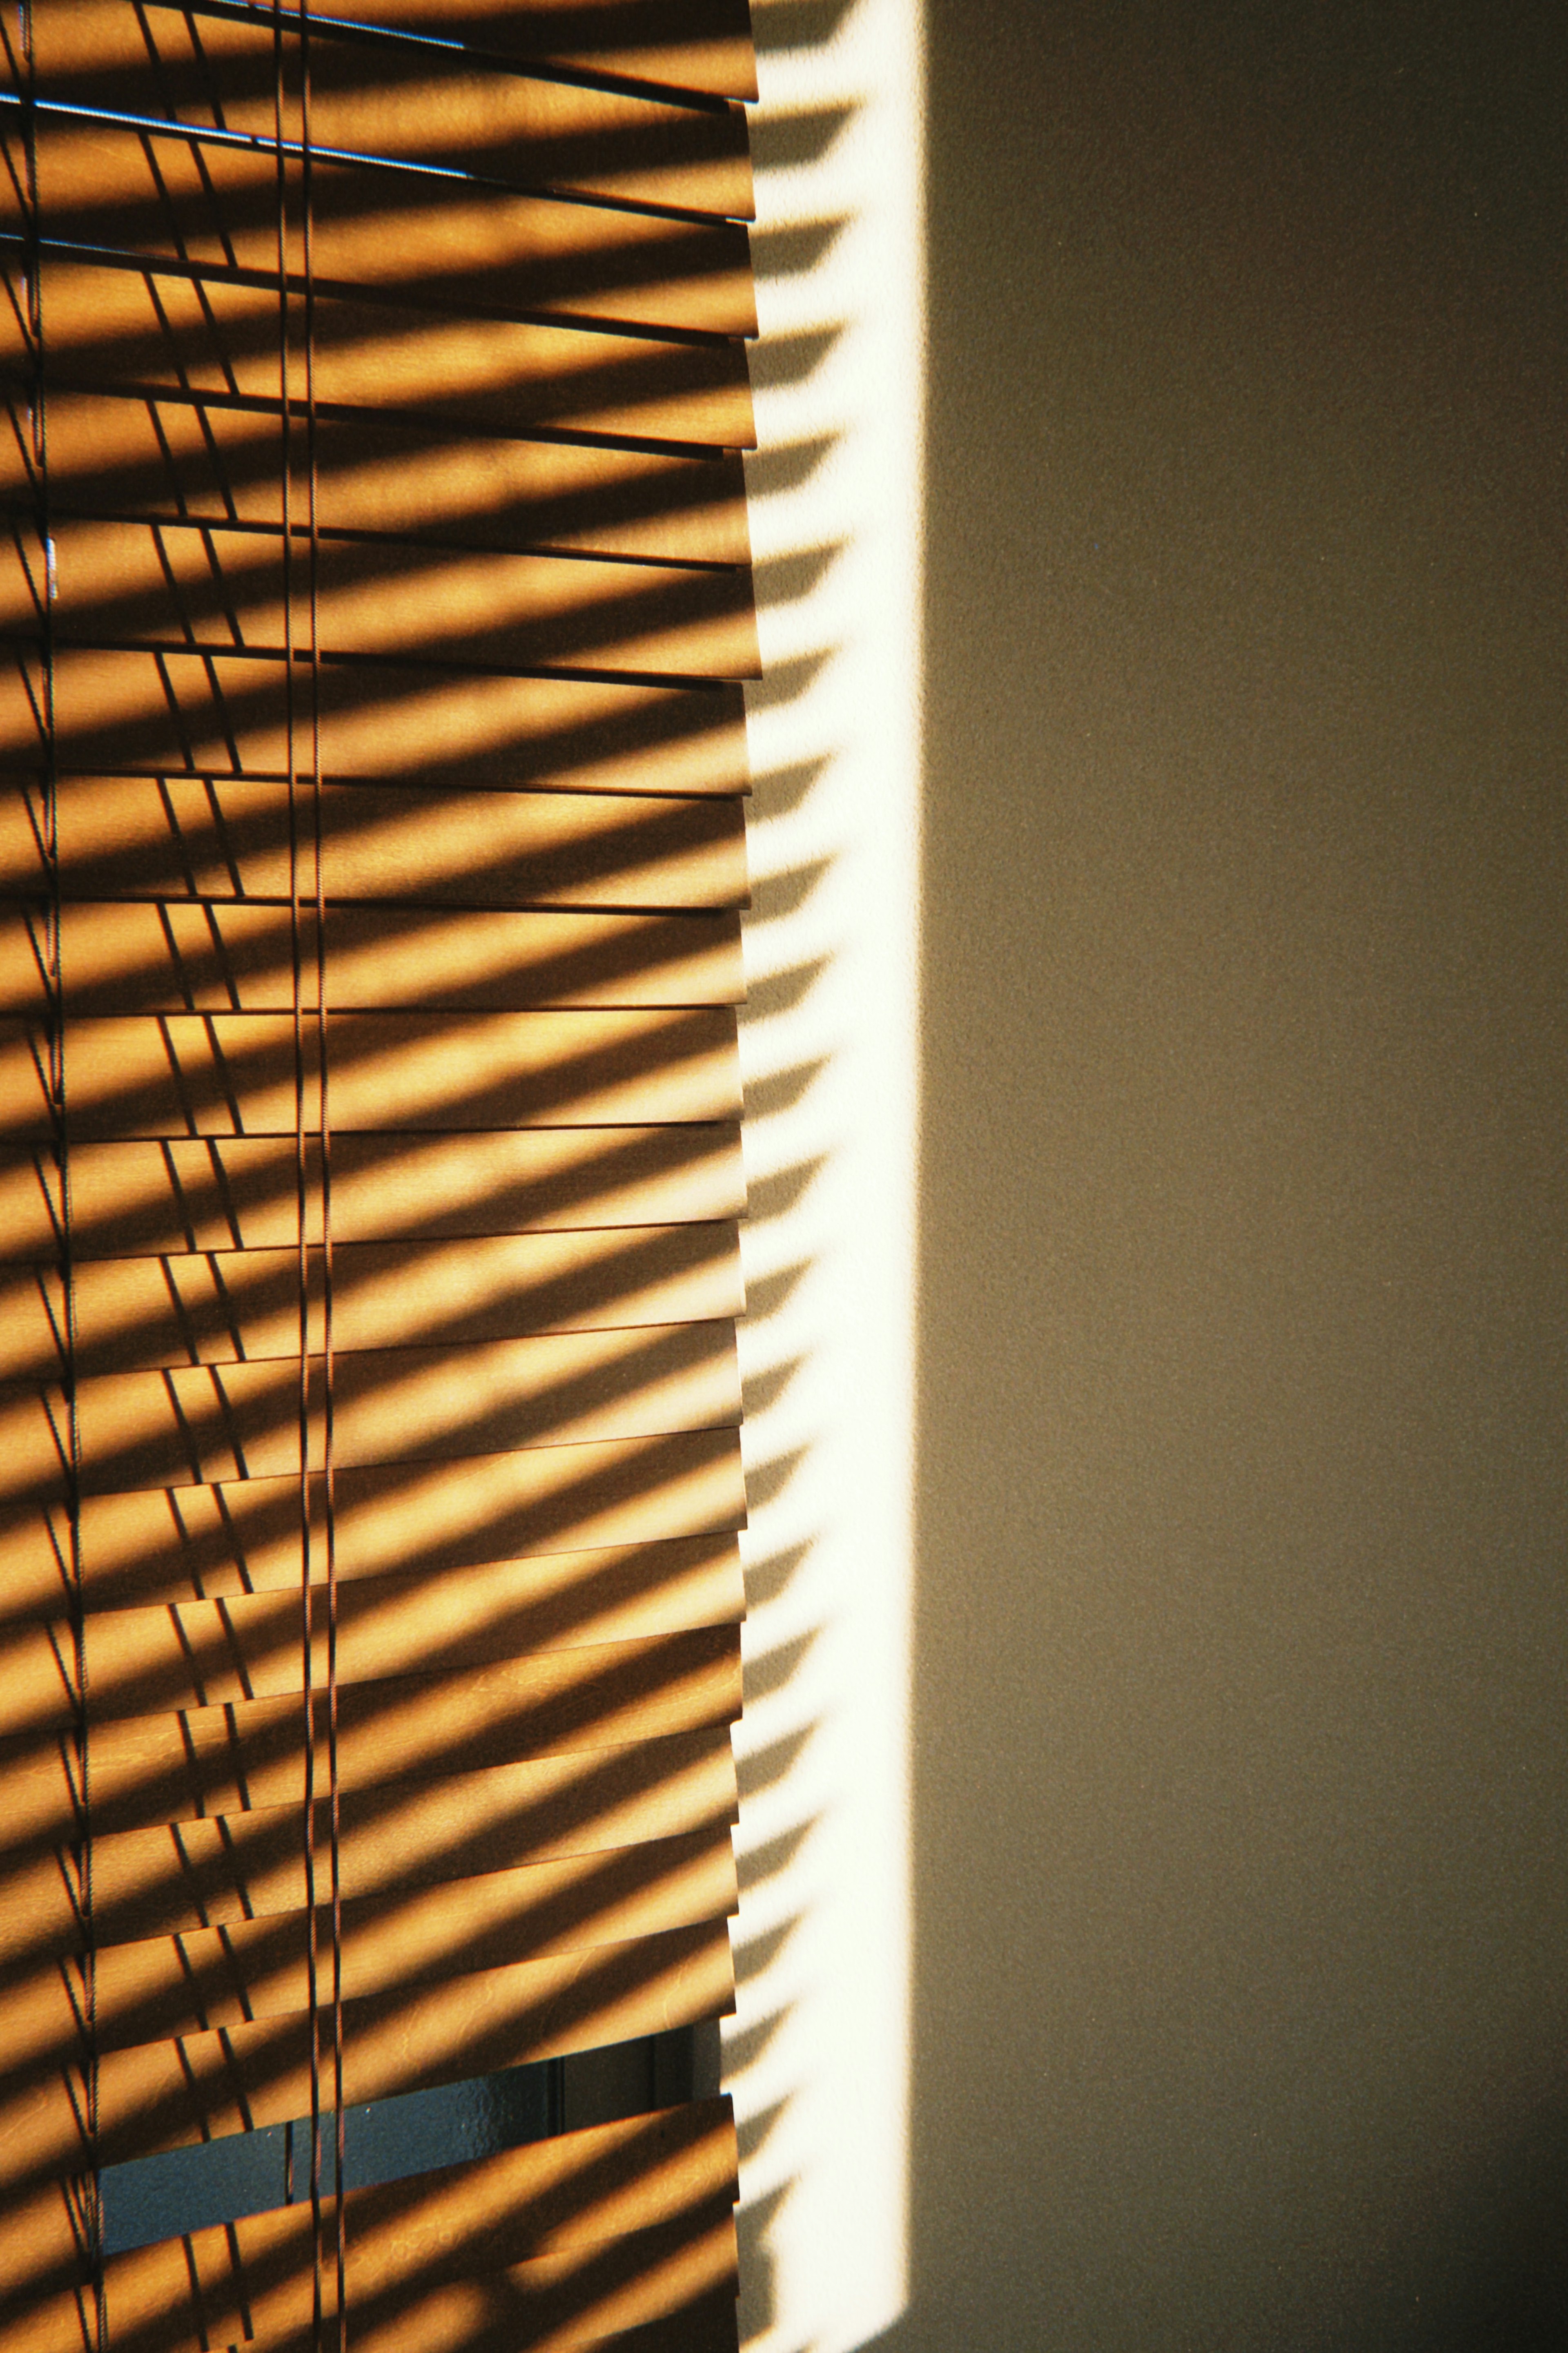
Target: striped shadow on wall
<point>371,849</point>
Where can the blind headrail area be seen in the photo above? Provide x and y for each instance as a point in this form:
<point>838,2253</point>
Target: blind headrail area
<point>373,769</point>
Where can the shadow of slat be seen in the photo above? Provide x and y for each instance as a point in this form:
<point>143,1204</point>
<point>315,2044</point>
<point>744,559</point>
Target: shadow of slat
<point>616,1940</point>
<point>184,1075</point>
<point>203,1979</point>
<point>216,716</point>
<point>396,1837</point>
<point>183,586</point>
<point>153,957</point>
<point>215,332</point>
<point>234,1194</point>
<point>386,97</point>
<point>673,2185</point>
<point>118,454</point>
<point>798,24</point>
<point>132,1315</point>
<point>434,238</point>
<point>167,1544</point>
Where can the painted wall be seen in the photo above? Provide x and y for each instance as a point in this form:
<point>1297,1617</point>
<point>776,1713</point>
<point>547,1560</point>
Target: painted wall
<point>1241,1743</point>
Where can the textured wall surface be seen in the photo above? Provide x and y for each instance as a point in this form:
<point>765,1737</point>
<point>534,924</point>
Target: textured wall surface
<point>1241,1749</point>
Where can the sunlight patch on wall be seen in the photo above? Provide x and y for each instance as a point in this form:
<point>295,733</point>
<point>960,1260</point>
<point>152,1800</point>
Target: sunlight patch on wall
<point>817,2056</point>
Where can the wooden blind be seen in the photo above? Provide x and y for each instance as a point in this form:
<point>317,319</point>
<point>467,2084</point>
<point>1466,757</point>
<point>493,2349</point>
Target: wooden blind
<point>372,759</point>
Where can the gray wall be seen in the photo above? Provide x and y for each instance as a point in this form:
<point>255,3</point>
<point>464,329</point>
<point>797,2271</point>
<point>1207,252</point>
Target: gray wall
<point>1242,1751</point>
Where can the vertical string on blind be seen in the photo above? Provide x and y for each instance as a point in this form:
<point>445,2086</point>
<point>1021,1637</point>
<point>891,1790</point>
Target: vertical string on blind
<point>302,672</point>
<point>328,1399</point>
<point>81,2189</point>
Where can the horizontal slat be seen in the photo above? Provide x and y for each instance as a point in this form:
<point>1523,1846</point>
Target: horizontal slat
<point>234,1073</point>
<point>241,1194</point>
<point>200,1425</point>
<point>174,837</point>
<point>414,235</point>
<point>116,958</point>
<point>224,1760</point>
<point>593,2302</point>
<point>394,97</point>
<point>206,333</point>
<point>572,2195</point>
<point>173,583</point>
<point>176,1545</point>
<point>209,1653</point>
<point>113,455</point>
<point>134,1313</point>
<point>671,2291</point>
<point>162,1988</point>
<point>241,2076</point>
<point>396,1838</point>
<point>471,2322</point>
<point>170,2095</point>
<point>698,45</point>
<point>217,716</point>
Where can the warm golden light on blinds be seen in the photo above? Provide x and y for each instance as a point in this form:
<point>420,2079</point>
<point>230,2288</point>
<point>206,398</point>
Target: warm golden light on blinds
<point>372,849</point>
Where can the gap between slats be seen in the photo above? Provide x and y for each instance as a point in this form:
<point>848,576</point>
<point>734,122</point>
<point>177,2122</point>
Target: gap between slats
<point>162,2095</point>
<point>572,2195</point>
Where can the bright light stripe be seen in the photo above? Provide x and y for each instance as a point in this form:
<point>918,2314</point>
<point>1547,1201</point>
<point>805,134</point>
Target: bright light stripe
<point>818,2054</point>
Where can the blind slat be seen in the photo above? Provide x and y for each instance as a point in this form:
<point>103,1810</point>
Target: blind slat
<point>373,721</point>
<point>684,2274</point>
<point>155,1546</point>
<point>133,1313</point>
<point>201,1425</point>
<point>209,1653</point>
<point>222,1869</point>
<point>191,328</point>
<point>163,2095</point>
<point>225,1758</point>
<point>39,2313</point>
<point>432,237</point>
<point>225,1074</point>
<point>177,455</point>
<point>217,838</point>
<point>182,584</point>
<point>164,1988</point>
<point>394,97</point>
<point>697,44</point>
<point>573,2194</point>
<point>151,957</point>
<point>239,1194</point>
<point>619,1589</point>
<point>212,1653</point>
<point>214,716</point>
